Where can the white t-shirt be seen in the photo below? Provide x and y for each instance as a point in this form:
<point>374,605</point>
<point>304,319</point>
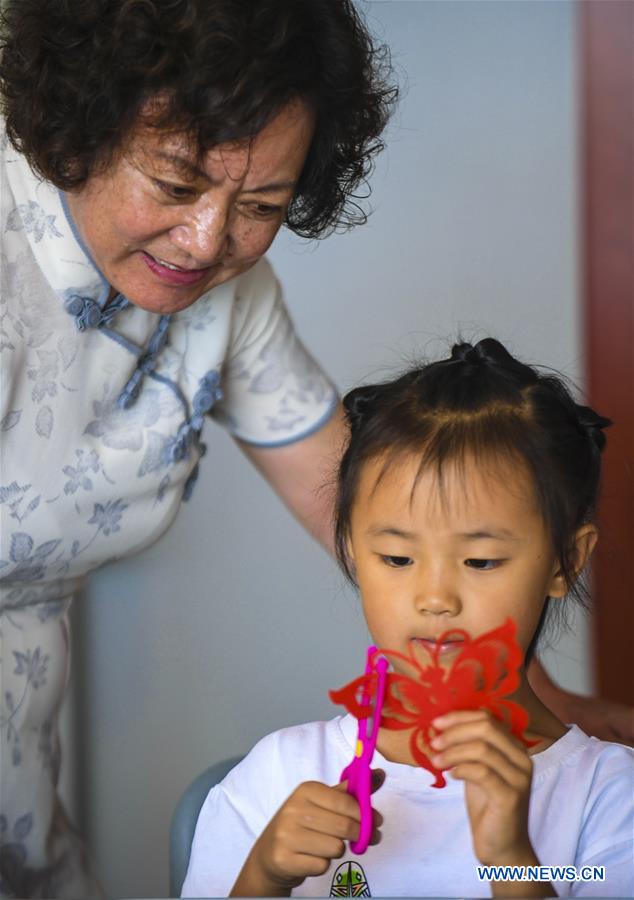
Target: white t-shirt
<point>581,813</point>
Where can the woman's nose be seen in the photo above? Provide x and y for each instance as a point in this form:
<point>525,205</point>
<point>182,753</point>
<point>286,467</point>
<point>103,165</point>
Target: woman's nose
<point>204,236</point>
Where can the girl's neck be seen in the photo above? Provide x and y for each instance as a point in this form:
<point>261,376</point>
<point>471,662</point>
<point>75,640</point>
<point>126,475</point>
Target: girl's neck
<point>544,727</point>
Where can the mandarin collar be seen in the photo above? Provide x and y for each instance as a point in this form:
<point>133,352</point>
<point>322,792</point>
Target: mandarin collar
<point>41,210</point>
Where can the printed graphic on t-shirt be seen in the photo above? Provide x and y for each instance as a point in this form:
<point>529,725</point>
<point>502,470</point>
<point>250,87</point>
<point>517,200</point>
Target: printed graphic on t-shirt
<point>349,881</point>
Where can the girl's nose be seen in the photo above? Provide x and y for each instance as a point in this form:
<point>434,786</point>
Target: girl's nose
<point>437,595</point>
<point>204,236</point>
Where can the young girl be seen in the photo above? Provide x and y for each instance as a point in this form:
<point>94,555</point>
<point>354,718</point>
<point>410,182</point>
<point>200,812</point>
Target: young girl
<point>466,496</point>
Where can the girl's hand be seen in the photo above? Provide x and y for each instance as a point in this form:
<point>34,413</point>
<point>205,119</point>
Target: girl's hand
<point>306,833</point>
<point>496,769</point>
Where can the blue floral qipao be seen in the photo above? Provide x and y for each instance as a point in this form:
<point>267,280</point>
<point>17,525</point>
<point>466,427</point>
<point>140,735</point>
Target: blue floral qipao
<point>101,414</point>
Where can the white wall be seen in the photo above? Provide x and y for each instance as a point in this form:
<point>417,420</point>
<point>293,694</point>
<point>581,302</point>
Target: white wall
<point>235,623</point>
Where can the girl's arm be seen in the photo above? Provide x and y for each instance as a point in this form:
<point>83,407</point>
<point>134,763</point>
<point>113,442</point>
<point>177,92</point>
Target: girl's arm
<point>497,772</point>
<point>303,837</point>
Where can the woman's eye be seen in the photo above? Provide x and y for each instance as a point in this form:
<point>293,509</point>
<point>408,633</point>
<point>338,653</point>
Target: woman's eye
<point>483,563</point>
<point>397,562</point>
<point>175,191</point>
<point>263,210</point>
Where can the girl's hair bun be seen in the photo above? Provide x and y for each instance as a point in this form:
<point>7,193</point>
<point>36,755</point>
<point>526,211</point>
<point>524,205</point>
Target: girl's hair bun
<point>593,425</point>
<point>466,353</point>
<point>358,403</point>
<point>492,354</point>
<point>362,402</point>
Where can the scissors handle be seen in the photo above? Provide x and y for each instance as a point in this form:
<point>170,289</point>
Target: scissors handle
<point>359,773</point>
<point>360,788</point>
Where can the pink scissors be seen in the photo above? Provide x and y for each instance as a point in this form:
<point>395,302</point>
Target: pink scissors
<point>358,771</point>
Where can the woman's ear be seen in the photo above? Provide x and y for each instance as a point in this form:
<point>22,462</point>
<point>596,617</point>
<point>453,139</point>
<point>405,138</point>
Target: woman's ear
<point>583,544</point>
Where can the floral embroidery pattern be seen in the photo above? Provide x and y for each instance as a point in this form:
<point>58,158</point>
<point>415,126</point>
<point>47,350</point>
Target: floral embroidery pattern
<point>157,453</point>
<point>199,316</point>
<point>285,366</point>
<point>13,495</point>
<point>50,600</point>
<point>107,517</point>
<point>34,220</point>
<point>87,461</point>
<point>29,323</point>
<point>5,340</point>
<point>124,429</point>
<point>44,375</point>
<point>32,665</point>
<point>10,420</point>
<point>30,564</point>
<point>48,747</point>
<point>17,879</point>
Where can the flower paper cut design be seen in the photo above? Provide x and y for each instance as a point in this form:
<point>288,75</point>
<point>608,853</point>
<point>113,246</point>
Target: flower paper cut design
<point>482,676</point>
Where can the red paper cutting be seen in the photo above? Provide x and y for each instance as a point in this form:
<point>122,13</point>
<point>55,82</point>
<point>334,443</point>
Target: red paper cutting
<point>483,674</point>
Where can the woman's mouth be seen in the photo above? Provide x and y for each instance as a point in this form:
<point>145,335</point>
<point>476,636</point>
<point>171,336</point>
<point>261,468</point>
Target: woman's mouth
<point>173,274</point>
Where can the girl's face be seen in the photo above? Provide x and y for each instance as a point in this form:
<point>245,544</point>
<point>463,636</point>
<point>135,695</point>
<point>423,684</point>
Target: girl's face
<point>465,556</point>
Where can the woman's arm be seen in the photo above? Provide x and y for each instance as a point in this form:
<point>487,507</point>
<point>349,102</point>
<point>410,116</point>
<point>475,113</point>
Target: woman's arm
<point>303,475</point>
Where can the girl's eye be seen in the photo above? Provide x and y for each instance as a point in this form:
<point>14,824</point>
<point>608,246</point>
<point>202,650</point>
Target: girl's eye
<point>175,191</point>
<point>397,562</point>
<point>483,564</point>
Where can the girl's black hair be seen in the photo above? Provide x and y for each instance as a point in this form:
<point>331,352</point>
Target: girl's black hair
<point>76,74</point>
<point>482,402</point>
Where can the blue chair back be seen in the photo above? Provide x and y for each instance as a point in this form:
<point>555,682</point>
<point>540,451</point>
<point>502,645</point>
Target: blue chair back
<point>185,818</point>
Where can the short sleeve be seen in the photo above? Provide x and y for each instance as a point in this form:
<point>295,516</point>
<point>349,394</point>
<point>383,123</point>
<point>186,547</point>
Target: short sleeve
<point>274,392</point>
<point>234,814</point>
<point>222,842</point>
<point>607,838</point>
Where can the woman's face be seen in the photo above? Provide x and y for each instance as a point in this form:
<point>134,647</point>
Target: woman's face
<point>164,227</point>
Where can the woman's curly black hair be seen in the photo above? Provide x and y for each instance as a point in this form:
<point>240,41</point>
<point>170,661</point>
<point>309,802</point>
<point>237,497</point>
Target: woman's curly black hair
<point>76,74</point>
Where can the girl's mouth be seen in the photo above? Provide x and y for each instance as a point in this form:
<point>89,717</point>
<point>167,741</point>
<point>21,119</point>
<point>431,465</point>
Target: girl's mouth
<point>432,645</point>
<point>173,274</point>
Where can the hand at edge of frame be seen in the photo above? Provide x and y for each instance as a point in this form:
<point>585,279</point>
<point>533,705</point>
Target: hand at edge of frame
<point>608,720</point>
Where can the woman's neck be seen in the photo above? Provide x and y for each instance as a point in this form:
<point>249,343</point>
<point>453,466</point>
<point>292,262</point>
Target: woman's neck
<point>112,294</point>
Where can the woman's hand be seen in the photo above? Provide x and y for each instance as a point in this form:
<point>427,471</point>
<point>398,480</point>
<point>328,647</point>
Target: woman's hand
<point>305,834</point>
<point>605,719</point>
<point>497,773</point>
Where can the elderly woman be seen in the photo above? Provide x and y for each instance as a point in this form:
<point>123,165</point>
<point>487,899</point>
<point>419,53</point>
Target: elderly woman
<point>153,149</point>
